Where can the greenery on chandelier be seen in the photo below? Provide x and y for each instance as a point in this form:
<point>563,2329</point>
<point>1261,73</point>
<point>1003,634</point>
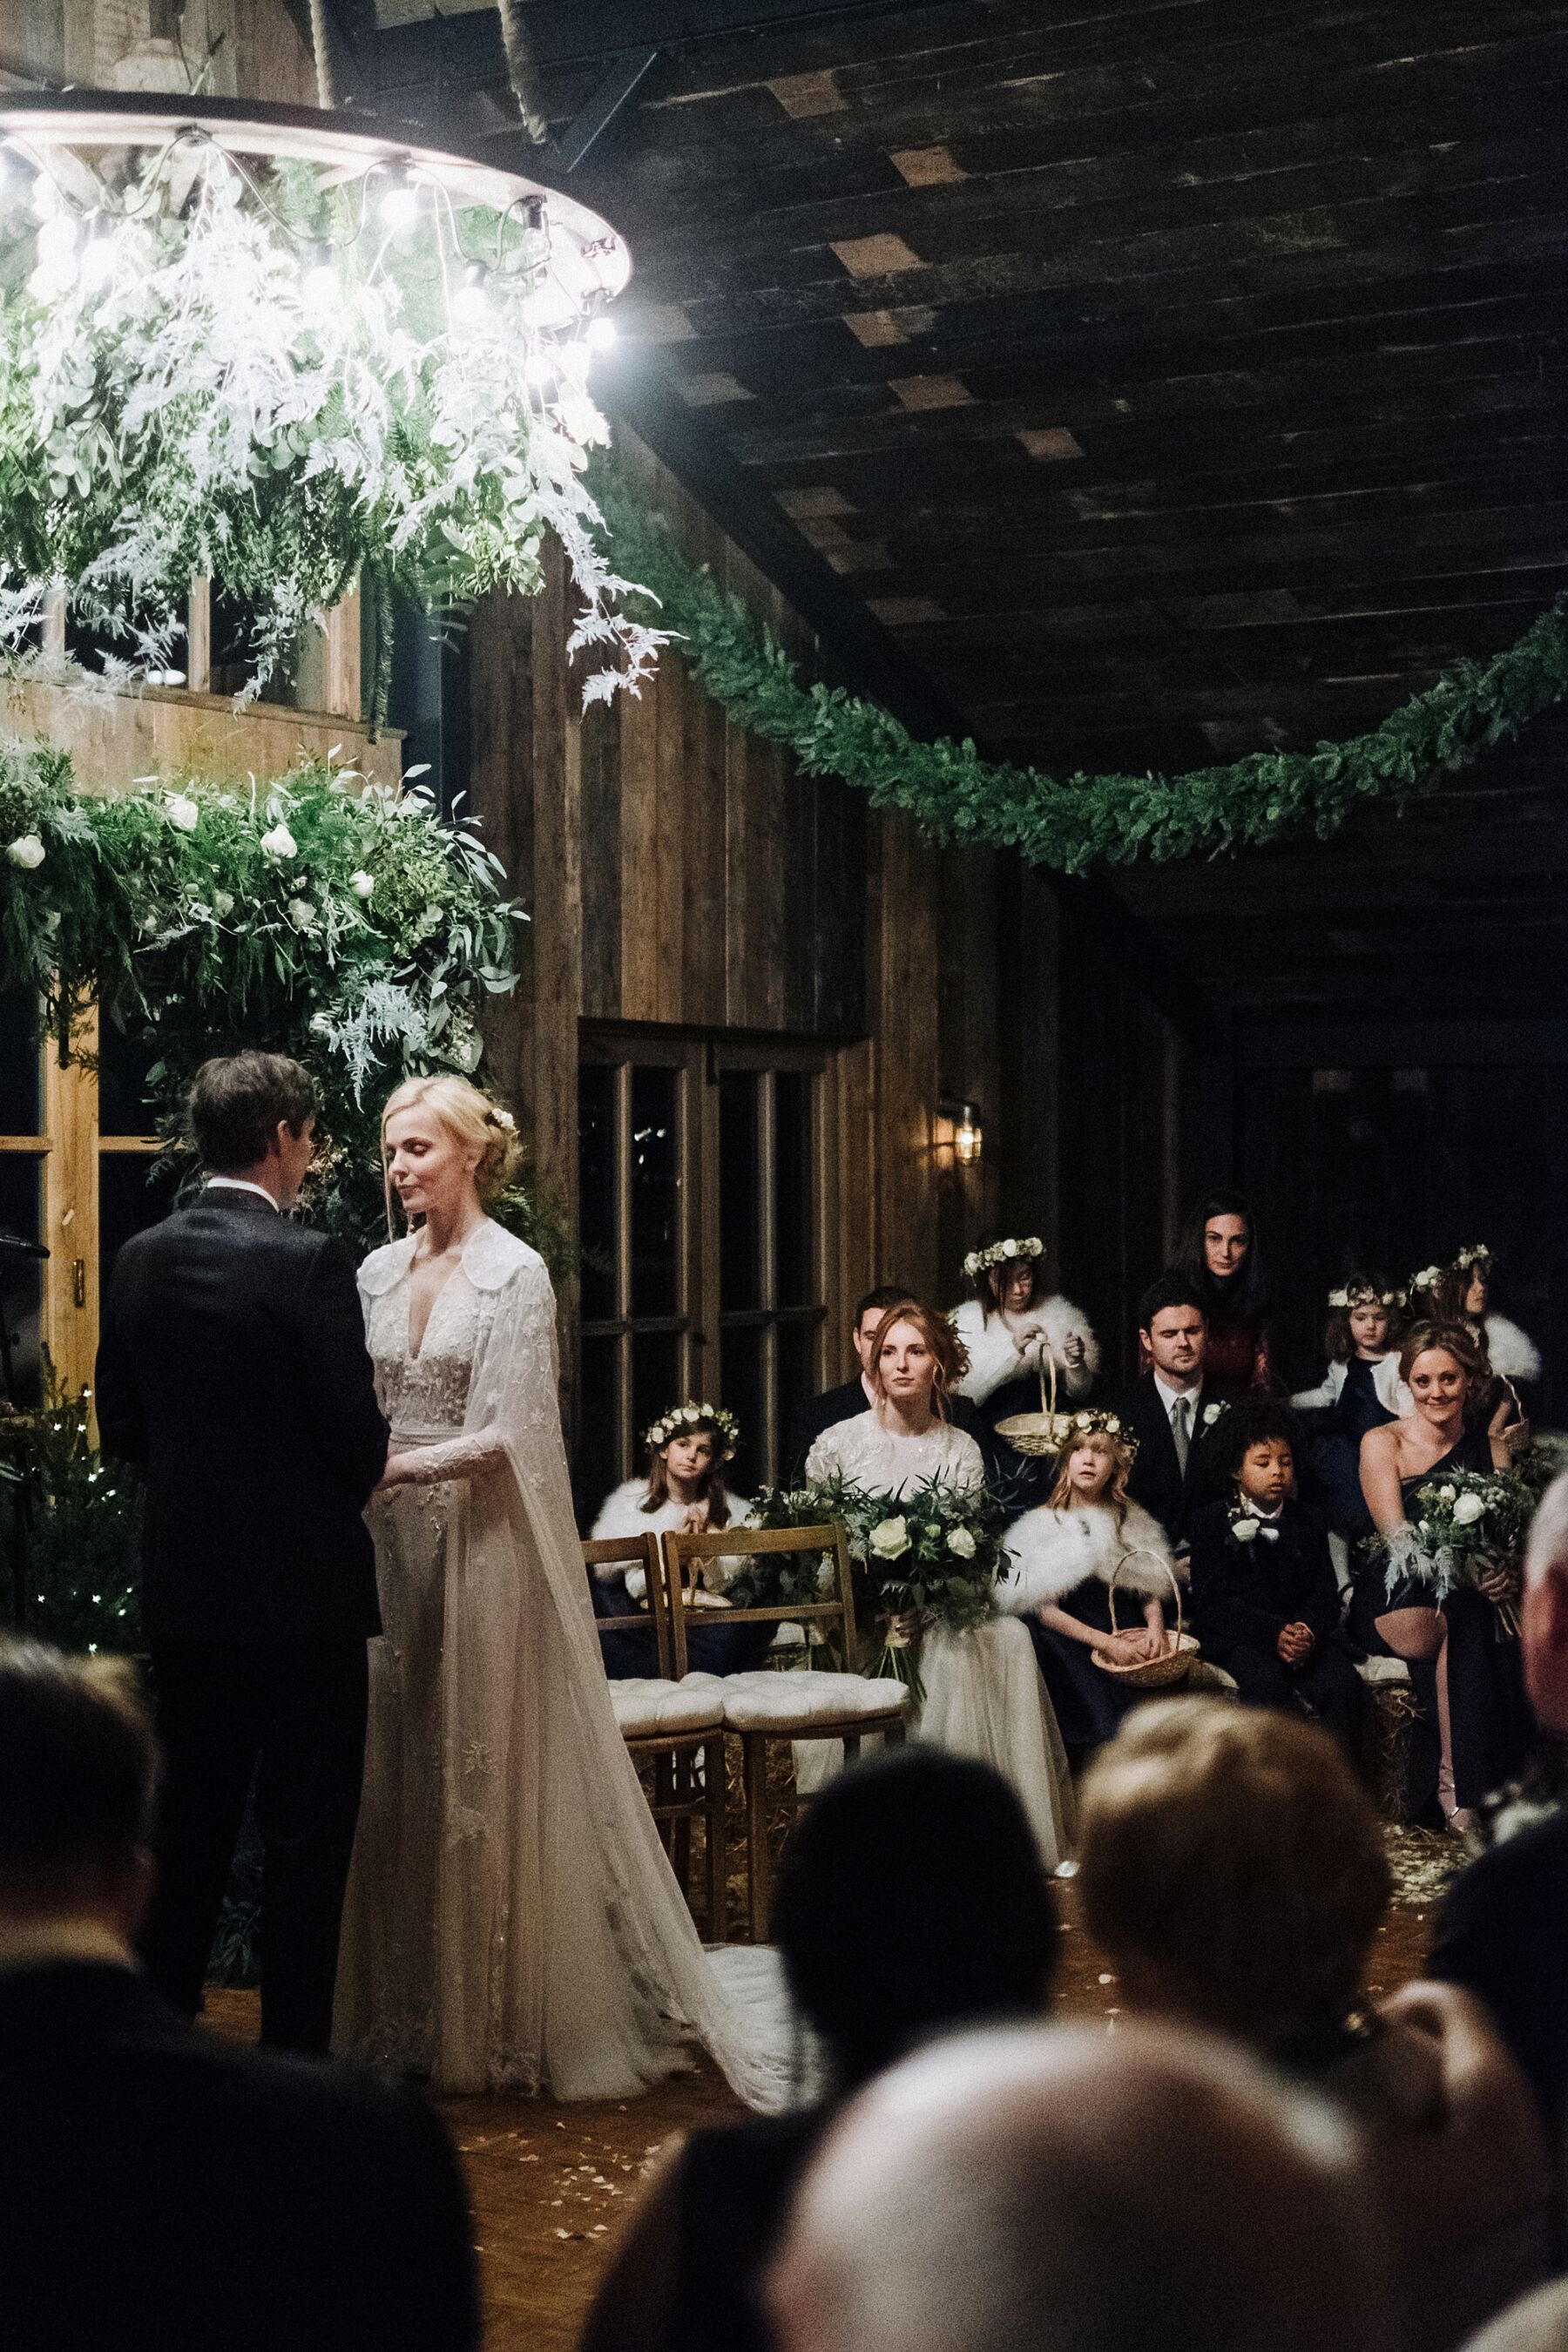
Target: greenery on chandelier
<point>1073,823</point>
<point>315,915</point>
<point>268,388</point>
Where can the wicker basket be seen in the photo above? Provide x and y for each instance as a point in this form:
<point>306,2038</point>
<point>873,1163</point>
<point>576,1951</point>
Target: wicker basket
<point>1153,1674</point>
<point>1045,1432</point>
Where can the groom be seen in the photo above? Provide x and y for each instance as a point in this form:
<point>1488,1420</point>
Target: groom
<point>232,1372</point>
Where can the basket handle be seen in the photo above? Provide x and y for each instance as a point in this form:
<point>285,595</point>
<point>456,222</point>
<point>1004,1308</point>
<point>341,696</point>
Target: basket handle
<point>1142,1551</point>
<point>1049,1357</point>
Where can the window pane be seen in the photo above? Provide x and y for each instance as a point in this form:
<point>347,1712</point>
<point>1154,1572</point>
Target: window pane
<point>740,1191</point>
<point>797,1379</point>
<point>596,1188</point>
<point>124,1058</point>
<point>743,1376</point>
<point>598,1425</point>
<point>656,1383</point>
<point>656,1193</point>
<point>130,1198</point>
<point>22,1278</point>
<point>794,1207</point>
<point>21,1073</point>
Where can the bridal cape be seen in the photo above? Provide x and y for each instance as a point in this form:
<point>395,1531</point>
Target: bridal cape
<point>513,1921</point>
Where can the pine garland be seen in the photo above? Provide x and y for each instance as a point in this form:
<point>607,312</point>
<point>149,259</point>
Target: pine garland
<point>1074,823</point>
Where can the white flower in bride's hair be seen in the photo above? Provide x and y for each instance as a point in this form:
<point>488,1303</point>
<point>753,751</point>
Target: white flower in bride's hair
<point>890,1538</point>
<point>362,884</point>
<point>279,844</point>
<point>960,1543</point>
<point>183,811</point>
<point>26,851</point>
<point>1468,1510</point>
<point>1245,1531</point>
<point>504,1120</point>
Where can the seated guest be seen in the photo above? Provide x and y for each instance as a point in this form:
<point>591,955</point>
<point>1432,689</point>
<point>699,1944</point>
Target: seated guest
<point>825,1411</point>
<point>983,1695</point>
<point>1361,1390</point>
<point>910,1900</point>
<point>162,2188</point>
<point>1232,1872</point>
<point>1171,1409</point>
<point>1502,1932</point>
<point>1063,1557</point>
<point>1266,1604</point>
<point>1053,2190</point>
<point>1220,1256</point>
<point>1012,1329</point>
<point>682,1489</point>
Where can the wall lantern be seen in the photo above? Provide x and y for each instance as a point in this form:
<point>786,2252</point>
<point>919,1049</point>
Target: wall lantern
<point>965,1136</point>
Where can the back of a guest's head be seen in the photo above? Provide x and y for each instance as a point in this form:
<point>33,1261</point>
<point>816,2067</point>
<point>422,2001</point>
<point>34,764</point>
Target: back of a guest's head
<point>1545,1623</point>
<point>911,1897</point>
<point>238,1101</point>
<point>1538,2323</point>
<point>78,1768</point>
<point>1153,2191</point>
<point>1232,1867</point>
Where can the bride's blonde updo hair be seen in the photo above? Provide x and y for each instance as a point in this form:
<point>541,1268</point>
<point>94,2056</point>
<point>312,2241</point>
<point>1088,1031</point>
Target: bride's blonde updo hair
<point>467,1112</point>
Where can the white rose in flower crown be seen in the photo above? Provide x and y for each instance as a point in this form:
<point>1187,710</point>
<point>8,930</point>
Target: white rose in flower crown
<point>890,1538</point>
<point>278,844</point>
<point>1245,1531</point>
<point>182,811</point>
<point>1011,1248</point>
<point>960,1543</point>
<point>362,884</point>
<point>1468,1510</point>
<point>26,851</point>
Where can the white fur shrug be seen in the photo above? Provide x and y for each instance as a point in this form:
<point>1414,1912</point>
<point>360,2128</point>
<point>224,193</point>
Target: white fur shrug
<point>1049,1552</point>
<point>1514,1354</point>
<point>995,1356</point>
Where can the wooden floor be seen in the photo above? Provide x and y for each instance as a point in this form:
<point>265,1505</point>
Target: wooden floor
<point>549,2182</point>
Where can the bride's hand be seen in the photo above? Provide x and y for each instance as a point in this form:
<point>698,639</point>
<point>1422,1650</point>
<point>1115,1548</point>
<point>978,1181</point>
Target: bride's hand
<point>400,1469</point>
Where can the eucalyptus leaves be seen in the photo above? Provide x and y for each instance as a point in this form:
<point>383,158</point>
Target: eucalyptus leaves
<point>198,401</point>
<point>348,926</point>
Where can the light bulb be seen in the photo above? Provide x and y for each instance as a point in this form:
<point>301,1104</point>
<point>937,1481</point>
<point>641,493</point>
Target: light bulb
<point>470,298</point>
<point>539,370</point>
<point>57,238</point>
<point>602,332</point>
<point>98,254</point>
<point>319,287</point>
<point>400,199</point>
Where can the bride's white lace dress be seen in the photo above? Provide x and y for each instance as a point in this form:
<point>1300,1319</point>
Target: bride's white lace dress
<point>512,1919</point>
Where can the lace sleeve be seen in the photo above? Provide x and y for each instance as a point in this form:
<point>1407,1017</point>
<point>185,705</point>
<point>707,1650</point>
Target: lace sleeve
<point>513,1407</point>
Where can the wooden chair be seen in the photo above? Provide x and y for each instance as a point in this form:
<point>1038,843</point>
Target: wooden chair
<point>679,1725</point>
<point>765,1703</point>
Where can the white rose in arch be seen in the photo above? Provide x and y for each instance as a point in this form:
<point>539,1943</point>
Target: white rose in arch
<point>1468,1510</point>
<point>890,1538</point>
<point>362,884</point>
<point>960,1543</point>
<point>301,913</point>
<point>26,851</point>
<point>222,902</point>
<point>183,811</point>
<point>278,844</point>
<point>1246,1531</point>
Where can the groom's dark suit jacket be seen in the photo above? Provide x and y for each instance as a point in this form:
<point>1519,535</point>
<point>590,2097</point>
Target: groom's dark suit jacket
<point>1157,1481</point>
<point>232,1372</point>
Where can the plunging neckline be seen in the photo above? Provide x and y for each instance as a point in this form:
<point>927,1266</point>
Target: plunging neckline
<point>416,1353</point>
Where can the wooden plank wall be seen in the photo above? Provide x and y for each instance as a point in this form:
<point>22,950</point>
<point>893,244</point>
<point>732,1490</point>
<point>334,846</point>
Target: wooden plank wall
<point>678,873</point>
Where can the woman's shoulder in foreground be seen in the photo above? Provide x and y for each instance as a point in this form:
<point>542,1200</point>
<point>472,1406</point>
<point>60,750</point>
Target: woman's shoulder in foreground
<point>386,1266</point>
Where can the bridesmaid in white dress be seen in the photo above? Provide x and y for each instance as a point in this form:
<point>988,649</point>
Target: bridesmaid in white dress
<point>511,1920</point>
<point>985,1696</point>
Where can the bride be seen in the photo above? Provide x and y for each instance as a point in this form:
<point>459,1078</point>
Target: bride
<point>511,1920</point>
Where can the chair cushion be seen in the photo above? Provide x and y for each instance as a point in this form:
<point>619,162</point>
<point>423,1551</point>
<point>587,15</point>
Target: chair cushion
<point>644,1705</point>
<point>1383,1670</point>
<point>765,1701</point>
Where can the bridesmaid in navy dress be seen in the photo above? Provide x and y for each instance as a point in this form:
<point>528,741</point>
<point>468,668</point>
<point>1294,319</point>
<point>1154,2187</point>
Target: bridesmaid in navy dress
<point>1483,1718</point>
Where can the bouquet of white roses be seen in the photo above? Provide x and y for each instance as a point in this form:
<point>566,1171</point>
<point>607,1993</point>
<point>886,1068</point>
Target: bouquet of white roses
<point>934,1551</point>
<point>1471,1524</point>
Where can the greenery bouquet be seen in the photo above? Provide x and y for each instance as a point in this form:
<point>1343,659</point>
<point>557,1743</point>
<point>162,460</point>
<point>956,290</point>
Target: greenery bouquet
<point>1471,1523</point>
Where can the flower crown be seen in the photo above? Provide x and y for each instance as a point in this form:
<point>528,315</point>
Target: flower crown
<point>1095,1422</point>
<point>1477,1255</point>
<point>1352,1294</point>
<point>1428,1279</point>
<point>1002,1254</point>
<point>681,1419</point>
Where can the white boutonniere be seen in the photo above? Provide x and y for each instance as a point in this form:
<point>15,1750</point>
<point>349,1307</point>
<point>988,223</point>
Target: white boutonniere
<point>1212,1413</point>
<point>1245,1530</point>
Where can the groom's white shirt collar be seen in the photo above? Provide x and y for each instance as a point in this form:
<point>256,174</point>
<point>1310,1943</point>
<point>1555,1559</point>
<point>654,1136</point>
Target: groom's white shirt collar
<point>241,1184</point>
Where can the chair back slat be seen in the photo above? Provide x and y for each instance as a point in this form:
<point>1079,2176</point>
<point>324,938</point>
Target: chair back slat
<point>636,1551</point>
<point>684,1552</point>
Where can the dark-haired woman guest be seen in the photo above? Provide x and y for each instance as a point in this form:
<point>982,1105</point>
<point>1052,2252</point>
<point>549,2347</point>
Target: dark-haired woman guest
<point>1483,1721</point>
<point>683,1489</point>
<point>1220,1256</point>
<point>911,1901</point>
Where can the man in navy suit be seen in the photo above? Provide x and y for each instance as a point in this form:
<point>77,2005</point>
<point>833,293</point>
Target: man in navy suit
<point>1169,1411</point>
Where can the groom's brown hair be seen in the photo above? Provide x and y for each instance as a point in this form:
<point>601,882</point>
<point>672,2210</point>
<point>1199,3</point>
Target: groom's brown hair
<point>238,1102</point>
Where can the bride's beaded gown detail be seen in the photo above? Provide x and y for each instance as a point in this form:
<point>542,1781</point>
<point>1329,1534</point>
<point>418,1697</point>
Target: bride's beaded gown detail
<point>511,1918</point>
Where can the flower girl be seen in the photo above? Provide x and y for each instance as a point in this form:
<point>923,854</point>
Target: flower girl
<point>1361,1390</point>
<point>1062,1557</point>
<point>683,1487</point>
